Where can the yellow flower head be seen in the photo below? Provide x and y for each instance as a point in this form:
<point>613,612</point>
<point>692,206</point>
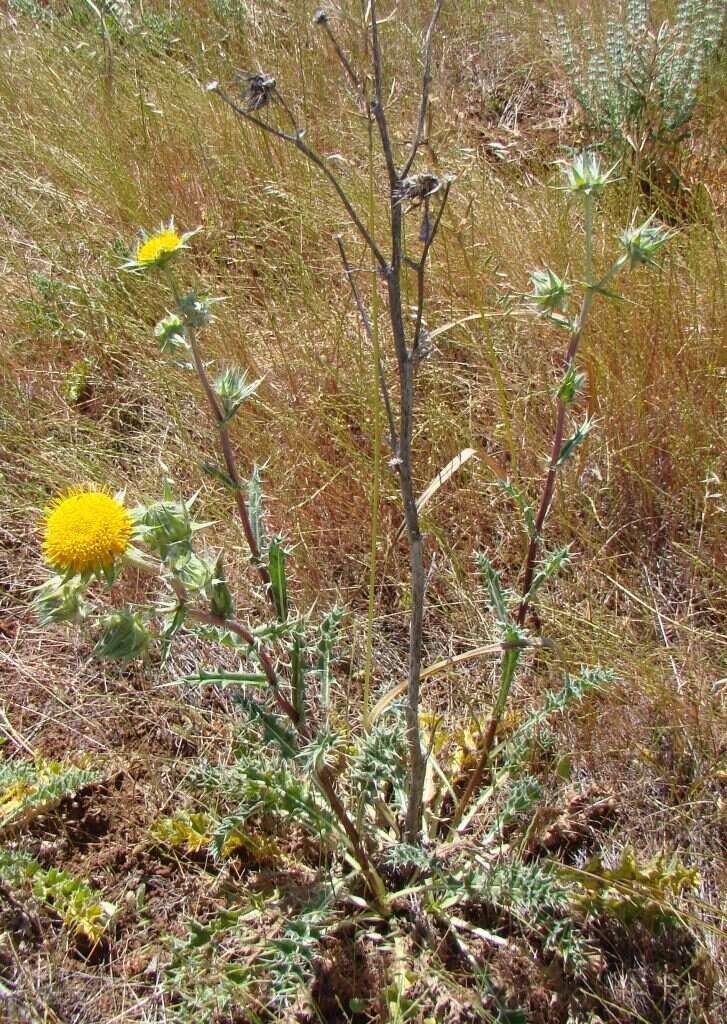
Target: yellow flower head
<point>159,247</point>
<point>85,531</point>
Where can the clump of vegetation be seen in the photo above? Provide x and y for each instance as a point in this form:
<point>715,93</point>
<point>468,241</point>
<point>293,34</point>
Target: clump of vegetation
<point>27,790</point>
<point>80,907</point>
<point>630,890</point>
<point>639,86</point>
<point>379,817</point>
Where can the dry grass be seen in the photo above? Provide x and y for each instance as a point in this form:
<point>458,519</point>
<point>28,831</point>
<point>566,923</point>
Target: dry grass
<point>87,159</point>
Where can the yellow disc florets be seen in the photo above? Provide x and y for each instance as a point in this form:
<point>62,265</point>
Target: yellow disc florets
<point>154,249</point>
<point>85,531</point>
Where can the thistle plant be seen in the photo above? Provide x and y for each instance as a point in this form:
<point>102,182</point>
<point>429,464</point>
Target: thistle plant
<point>91,536</point>
<point>585,180</point>
<point>81,908</point>
<point>357,795</point>
<point>27,791</point>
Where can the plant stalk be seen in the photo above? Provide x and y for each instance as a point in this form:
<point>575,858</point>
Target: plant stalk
<point>225,443</point>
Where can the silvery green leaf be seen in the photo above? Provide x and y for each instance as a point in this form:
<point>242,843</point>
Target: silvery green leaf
<point>255,506</point>
<point>571,443</point>
<point>218,592</point>
<point>278,579</point>
<point>328,632</point>
<point>298,673</point>
<point>233,388</point>
<point>549,567</point>
<point>497,598</point>
<point>526,509</point>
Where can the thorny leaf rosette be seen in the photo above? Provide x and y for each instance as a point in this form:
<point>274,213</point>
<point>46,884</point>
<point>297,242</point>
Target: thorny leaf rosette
<point>154,252</point>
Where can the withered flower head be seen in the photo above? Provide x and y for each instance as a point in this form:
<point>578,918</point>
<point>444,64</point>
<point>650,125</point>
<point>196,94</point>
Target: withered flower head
<point>257,89</point>
<point>418,187</point>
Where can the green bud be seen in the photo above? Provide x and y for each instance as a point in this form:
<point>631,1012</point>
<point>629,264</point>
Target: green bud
<point>641,242</point>
<point>167,527</point>
<point>233,388</point>
<point>170,334</point>
<point>125,637</point>
<point>218,592</point>
<point>572,385</point>
<point>549,293</point>
<point>192,571</point>
<point>195,309</point>
<point>585,174</point>
<point>60,599</point>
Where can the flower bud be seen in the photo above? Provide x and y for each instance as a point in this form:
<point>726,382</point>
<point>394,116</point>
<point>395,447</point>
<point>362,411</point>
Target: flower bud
<point>585,174</point>
<point>195,309</point>
<point>170,334</point>
<point>571,386</point>
<point>549,293</point>
<point>124,638</point>
<point>641,242</point>
<point>59,600</point>
<point>233,388</point>
<point>166,526</point>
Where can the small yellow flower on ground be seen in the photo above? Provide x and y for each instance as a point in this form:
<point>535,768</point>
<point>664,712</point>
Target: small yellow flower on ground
<point>85,531</point>
<point>154,249</point>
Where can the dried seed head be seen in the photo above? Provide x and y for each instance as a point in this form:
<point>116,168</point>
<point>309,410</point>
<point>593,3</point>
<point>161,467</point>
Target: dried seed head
<point>257,89</point>
<point>418,187</point>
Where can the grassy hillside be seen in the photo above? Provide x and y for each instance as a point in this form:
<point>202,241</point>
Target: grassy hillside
<point>107,129</point>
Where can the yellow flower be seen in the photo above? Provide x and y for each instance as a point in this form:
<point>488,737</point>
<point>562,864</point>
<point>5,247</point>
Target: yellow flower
<point>158,247</point>
<point>85,531</point>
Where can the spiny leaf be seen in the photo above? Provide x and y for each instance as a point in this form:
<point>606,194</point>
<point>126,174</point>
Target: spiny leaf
<point>278,579</point>
<point>571,443</point>
<point>492,580</point>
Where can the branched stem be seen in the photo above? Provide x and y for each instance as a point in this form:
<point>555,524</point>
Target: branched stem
<point>551,474</point>
<point>579,324</point>
<point>407,356</point>
<point>323,775</point>
<point>315,158</point>
<point>426,84</point>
